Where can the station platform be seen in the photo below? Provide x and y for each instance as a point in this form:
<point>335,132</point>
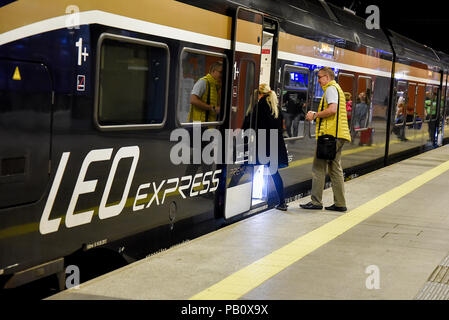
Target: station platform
<point>392,243</point>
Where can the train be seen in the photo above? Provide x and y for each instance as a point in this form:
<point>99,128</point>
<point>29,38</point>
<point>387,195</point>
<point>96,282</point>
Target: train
<point>90,95</point>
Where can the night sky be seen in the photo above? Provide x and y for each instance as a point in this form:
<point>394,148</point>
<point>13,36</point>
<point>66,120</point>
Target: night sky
<point>425,22</point>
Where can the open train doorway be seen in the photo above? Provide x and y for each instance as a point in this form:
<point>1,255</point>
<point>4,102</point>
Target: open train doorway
<point>246,184</point>
<point>246,46</point>
<point>267,66</point>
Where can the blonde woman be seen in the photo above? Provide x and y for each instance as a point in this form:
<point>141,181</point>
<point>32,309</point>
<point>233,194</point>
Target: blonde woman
<point>269,117</point>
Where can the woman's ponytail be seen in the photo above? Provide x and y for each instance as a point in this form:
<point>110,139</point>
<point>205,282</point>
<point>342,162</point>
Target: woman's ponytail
<point>272,99</point>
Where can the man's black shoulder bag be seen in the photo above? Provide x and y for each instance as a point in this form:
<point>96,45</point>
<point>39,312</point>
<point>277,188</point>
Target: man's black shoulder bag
<point>327,144</point>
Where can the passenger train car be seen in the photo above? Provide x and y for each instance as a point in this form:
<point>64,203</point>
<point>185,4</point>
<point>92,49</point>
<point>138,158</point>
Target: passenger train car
<point>90,95</point>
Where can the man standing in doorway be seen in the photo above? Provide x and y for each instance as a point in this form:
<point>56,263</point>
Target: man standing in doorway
<point>333,99</point>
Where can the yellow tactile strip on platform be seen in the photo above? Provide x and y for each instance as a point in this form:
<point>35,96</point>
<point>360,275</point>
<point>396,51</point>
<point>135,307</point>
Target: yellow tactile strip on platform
<point>437,286</point>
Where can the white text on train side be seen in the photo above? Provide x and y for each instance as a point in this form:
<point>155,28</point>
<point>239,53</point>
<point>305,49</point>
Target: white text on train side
<point>192,183</point>
<point>186,186</point>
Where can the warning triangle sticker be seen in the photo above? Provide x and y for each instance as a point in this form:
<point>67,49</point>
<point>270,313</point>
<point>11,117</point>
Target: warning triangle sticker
<point>16,75</point>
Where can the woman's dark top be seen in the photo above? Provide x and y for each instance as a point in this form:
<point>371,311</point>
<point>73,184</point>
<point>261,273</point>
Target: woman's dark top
<point>265,120</point>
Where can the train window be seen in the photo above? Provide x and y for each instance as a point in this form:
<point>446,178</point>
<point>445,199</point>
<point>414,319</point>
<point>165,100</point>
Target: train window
<point>246,97</point>
<point>430,103</point>
<point>195,66</point>
<point>361,109</point>
<point>435,92</point>
<point>410,106</point>
<point>294,99</point>
<point>347,84</point>
<point>295,78</point>
<point>447,105</point>
<point>401,102</point>
<point>318,91</point>
<point>132,83</point>
<point>380,99</point>
<point>249,70</point>
<point>420,102</point>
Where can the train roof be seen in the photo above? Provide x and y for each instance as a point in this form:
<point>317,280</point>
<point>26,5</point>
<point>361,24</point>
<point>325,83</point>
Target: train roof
<point>322,21</point>
<point>326,19</point>
<point>444,58</point>
<point>411,50</point>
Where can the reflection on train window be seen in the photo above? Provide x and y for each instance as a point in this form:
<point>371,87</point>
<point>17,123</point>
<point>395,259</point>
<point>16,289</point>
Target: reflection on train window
<point>380,98</point>
<point>399,110</point>
<point>132,83</point>
<point>347,84</point>
<point>447,105</point>
<point>195,67</point>
<point>246,97</point>
<point>420,102</point>
<point>411,105</point>
<point>318,91</point>
<point>430,102</point>
<point>361,110</point>
<point>294,100</point>
<point>294,79</point>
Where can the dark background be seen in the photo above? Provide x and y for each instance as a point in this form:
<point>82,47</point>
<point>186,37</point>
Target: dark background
<point>426,22</point>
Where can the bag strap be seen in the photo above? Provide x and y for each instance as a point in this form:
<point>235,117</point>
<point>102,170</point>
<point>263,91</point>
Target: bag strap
<point>321,105</point>
<point>338,113</point>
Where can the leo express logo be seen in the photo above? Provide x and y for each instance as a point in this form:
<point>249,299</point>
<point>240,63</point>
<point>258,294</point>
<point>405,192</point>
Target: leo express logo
<point>185,186</point>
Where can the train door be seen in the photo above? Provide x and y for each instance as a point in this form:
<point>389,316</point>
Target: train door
<point>25,131</point>
<point>247,42</point>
